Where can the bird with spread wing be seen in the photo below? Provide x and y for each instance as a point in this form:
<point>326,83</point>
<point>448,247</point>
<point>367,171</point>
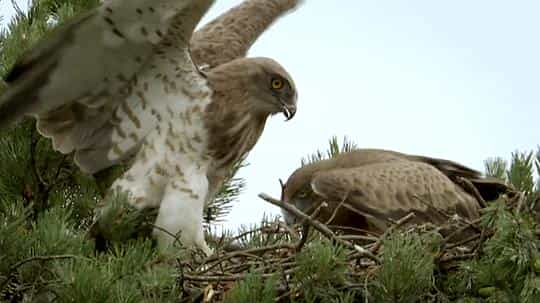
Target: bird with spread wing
<point>126,80</point>
<point>365,189</point>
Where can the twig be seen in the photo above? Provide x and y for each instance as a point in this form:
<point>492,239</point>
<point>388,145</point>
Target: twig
<point>358,238</point>
<point>37,258</point>
<point>282,185</point>
<point>228,246</point>
<point>323,229</point>
<point>250,264</point>
<point>460,230</point>
<point>246,233</point>
<point>467,184</point>
<point>472,224</point>
<point>334,213</point>
<point>446,214</point>
<point>233,277</point>
<point>305,235</point>
<point>313,211</point>
<point>390,229</point>
<point>176,237</point>
<point>43,258</point>
<point>255,250</point>
<point>291,231</point>
<point>457,258</point>
<point>58,171</point>
<point>317,210</point>
<point>353,209</point>
<point>353,229</point>
<point>464,241</point>
<point>305,225</point>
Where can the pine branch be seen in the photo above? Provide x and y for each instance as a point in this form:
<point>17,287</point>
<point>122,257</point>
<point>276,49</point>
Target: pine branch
<point>520,174</point>
<point>231,189</point>
<point>496,168</point>
<point>334,149</point>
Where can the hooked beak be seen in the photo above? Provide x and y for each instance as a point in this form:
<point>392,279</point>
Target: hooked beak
<point>288,110</point>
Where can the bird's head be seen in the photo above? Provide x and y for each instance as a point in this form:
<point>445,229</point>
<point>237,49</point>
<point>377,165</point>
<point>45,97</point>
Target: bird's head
<point>298,192</point>
<point>302,198</point>
<point>272,89</point>
<point>268,88</point>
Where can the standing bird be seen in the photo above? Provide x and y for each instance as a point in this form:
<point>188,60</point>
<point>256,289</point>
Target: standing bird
<point>122,80</point>
<point>365,188</point>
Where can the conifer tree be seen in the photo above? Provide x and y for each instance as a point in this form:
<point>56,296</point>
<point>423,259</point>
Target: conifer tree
<point>47,205</point>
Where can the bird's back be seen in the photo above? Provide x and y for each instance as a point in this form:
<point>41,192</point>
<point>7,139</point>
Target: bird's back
<point>380,184</point>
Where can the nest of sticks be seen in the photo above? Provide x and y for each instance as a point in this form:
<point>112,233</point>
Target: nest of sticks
<point>209,279</point>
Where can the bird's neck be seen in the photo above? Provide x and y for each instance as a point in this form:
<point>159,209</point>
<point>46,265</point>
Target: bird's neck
<point>233,125</point>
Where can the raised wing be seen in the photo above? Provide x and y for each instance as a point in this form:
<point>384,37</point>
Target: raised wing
<point>230,36</point>
<point>93,58</point>
<point>391,190</point>
<point>100,84</point>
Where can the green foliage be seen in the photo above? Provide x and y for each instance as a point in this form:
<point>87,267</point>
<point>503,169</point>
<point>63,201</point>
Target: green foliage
<point>47,208</point>
<point>254,288</point>
<point>257,234</point>
<point>537,166</point>
<point>334,148</point>
<point>57,259</point>
<point>128,274</point>
<point>520,173</point>
<point>119,221</point>
<point>233,186</point>
<point>23,32</point>
<point>321,267</point>
<point>507,266</point>
<point>27,28</point>
<point>406,274</point>
<point>496,168</point>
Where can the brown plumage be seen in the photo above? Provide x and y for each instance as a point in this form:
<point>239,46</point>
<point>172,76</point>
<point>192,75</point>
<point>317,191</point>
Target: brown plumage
<point>85,126</point>
<point>230,35</point>
<point>125,80</point>
<point>236,120</point>
<point>235,131</point>
<point>374,185</point>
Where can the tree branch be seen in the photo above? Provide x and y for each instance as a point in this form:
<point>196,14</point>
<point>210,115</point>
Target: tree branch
<point>323,229</point>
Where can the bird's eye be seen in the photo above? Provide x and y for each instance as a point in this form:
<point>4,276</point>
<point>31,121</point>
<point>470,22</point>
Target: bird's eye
<point>303,194</point>
<point>277,83</point>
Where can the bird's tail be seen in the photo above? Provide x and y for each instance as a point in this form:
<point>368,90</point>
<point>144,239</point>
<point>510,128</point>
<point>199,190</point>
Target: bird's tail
<point>489,188</point>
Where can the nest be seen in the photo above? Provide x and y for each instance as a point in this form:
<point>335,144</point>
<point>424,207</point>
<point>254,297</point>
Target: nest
<point>277,246</point>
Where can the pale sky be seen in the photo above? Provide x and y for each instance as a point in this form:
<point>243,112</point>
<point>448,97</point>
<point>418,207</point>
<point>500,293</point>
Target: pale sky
<point>449,79</point>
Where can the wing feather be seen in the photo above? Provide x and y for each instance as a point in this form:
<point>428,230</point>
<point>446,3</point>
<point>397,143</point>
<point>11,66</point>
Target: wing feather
<point>95,54</point>
<point>230,35</point>
<point>83,83</point>
<point>392,190</point>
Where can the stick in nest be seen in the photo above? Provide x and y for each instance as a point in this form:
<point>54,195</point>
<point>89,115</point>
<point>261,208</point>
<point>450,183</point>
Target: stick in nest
<point>323,229</point>
<point>334,213</point>
<point>396,225</point>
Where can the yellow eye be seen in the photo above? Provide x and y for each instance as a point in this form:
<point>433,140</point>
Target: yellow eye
<point>277,84</point>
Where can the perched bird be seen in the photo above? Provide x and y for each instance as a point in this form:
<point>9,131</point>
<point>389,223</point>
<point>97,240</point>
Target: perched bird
<point>365,188</point>
<point>123,80</point>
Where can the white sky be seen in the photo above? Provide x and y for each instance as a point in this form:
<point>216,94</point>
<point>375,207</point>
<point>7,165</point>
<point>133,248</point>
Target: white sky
<point>451,79</point>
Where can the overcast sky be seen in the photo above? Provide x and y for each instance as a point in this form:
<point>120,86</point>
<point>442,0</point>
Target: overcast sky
<point>450,79</point>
